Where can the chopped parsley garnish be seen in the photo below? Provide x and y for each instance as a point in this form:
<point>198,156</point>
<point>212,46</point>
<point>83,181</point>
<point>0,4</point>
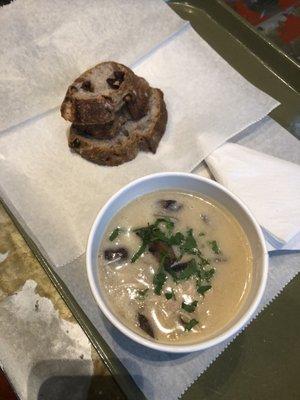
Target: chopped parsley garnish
<point>189,307</point>
<point>177,239</point>
<point>115,233</point>
<point>159,280</point>
<point>203,283</point>
<point>189,245</point>
<point>170,295</point>
<point>214,246</point>
<point>165,221</point>
<point>160,277</point>
<point>208,274</point>
<point>189,325</point>
<point>169,247</point>
<point>138,254</point>
<point>203,288</point>
<point>141,293</point>
<point>203,261</point>
<point>152,233</point>
<point>191,269</point>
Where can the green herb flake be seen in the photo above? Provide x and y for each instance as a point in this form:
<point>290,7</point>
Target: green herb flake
<point>208,274</point>
<point>170,295</point>
<point>115,233</point>
<point>190,270</point>
<point>186,243</point>
<point>189,325</point>
<point>177,239</point>
<point>189,245</point>
<point>165,221</point>
<point>151,233</point>
<point>203,288</point>
<point>141,293</point>
<point>203,261</point>
<point>214,246</point>
<point>159,280</point>
<point>189,307</point>
<point>201,234</point>
<point>138,254</point>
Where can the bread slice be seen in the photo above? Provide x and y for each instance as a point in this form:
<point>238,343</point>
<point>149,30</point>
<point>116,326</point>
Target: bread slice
<point>99,93</point>
<point>133,136</point>
<point>105,131</point>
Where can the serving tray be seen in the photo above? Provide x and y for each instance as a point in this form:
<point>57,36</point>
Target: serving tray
<point>264,65</point>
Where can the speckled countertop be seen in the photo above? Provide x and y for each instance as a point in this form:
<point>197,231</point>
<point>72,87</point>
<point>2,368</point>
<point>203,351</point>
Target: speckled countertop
<point>42,348</point>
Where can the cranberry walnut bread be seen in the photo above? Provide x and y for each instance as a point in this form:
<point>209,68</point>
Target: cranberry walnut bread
<point>114,114</point>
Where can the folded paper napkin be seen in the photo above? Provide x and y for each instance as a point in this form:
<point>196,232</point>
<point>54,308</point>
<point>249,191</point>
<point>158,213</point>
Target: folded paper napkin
<point>269,186</point>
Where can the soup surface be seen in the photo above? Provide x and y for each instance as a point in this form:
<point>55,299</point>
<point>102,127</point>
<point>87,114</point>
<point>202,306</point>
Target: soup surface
<point>175,267</point>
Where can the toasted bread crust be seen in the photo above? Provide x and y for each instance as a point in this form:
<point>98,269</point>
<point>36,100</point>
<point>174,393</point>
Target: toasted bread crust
<point>133,136</point>
<point>97,95</point>
<point>104,131</point>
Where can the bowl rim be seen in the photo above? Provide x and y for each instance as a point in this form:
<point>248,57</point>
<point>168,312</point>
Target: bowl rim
<point>184,348</point>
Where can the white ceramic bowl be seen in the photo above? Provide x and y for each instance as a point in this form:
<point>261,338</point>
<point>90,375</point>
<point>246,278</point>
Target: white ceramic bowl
<point>190,183</point>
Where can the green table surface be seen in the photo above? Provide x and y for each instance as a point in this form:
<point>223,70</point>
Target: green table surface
<point>263,362</point>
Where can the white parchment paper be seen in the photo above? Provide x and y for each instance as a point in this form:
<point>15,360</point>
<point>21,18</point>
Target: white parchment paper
<point>58,194</point>
<point>45,45</point>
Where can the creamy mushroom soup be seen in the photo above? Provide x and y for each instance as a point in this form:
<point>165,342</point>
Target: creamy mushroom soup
<point>175,267</point>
